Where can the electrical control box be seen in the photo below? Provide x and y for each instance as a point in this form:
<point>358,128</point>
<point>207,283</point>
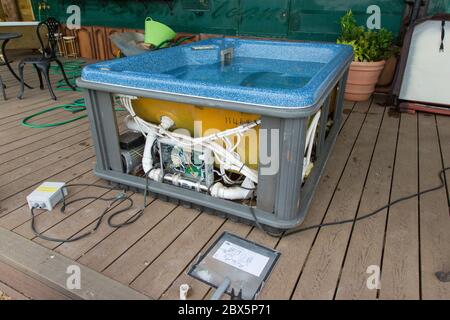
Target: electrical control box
<point>194,164</point>
<point>47,195</point>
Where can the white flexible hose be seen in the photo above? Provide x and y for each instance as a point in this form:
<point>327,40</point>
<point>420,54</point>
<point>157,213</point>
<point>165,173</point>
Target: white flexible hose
<point>310,139</point>
<point>147,159</point>
<point>225,157</point>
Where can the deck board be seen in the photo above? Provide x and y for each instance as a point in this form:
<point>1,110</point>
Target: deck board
<point>400,266</point>
<point>379,155</point>
<point>434,213</point>
<point>25,286</point>
<point>12,293</point>
<point>443,126</point>
<point>366,243</point>
<point>320,275</point>
<point>132,261</point>
<point>45,146</point>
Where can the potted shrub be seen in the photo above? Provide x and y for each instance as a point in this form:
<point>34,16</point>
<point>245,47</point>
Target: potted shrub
<point>371,48</point>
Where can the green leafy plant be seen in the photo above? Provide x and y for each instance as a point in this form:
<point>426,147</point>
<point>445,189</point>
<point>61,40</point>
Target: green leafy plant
<point>368,45</point>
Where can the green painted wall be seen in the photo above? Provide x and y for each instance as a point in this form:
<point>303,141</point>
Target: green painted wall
<point>437,6</point>
<point>295,19</point>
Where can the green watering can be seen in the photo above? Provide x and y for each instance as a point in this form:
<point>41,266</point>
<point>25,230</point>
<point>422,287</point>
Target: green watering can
<point>157,33</point>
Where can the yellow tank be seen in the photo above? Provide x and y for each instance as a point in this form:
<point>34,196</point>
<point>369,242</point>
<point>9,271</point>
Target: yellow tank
<point>202,121</point>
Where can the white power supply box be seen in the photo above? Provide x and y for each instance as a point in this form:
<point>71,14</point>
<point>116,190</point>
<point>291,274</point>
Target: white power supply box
<point>47,195</point>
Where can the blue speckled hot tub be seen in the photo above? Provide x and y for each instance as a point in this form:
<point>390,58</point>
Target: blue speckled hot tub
<point>285,84</point>
<point>270,74</point>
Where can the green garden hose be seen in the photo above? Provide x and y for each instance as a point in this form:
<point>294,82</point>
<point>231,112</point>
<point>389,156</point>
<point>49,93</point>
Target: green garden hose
<point>74,107</point>
<point>73,71</point>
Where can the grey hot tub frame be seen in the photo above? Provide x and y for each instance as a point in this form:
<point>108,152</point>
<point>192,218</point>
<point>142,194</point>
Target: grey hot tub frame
<point>282,200</point>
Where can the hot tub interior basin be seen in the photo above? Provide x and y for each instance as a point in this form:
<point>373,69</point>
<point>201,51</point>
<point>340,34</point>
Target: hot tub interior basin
<point>266,73</point>
<point>251,72</point>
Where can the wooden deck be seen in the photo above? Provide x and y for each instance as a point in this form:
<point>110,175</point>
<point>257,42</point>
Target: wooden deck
<point>379,156</point>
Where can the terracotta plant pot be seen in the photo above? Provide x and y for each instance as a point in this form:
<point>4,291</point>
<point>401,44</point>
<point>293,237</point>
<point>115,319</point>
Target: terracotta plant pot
<point>362,78</point>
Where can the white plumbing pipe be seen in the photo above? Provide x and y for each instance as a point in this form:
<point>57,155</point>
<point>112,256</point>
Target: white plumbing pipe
<point>184,291</point>
<point>155,175</point>
<point>176,180</point>
<point>147,159</point>
<point>166,123</point>
<point>309,144</point>
<point>218,190</point>
<point>132,125</point>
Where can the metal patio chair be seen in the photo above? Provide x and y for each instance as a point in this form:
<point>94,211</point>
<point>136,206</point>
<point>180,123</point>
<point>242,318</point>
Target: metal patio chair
<point>43,61</point>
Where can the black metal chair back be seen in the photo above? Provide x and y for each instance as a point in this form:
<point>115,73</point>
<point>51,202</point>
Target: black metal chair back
<point>49,30</point>
<point>49,47</point>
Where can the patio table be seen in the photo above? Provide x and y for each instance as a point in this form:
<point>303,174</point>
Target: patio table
<point>6,37</point>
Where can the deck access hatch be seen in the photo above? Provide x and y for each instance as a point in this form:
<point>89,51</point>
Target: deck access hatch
<point>246,264</point>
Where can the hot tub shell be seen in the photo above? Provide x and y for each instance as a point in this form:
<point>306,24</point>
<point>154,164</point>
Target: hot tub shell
<point>282,198</point>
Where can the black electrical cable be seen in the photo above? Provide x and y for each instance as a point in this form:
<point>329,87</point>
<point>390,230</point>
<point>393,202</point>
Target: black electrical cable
<point>256,220</point>
<point>139,214</point>
<point>135,217</point>
<point>120,197</point>
<point>83,235</point>
<point>356,219</point>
